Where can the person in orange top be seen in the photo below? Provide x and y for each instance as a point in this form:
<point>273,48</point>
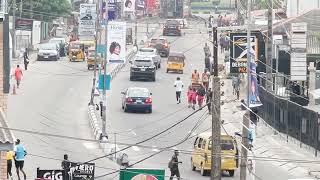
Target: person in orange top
<point>195,76</point>
<point>10,155</point>
<point>18,75</point>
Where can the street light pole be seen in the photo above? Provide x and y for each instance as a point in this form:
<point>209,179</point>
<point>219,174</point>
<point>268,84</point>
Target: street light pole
<point>246,122</point>
<point>14,41</point>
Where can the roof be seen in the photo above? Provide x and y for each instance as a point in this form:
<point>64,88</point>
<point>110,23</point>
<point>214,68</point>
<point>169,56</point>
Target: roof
<point>176,54</point>
<point>208,134</point>
<point>6,135</point>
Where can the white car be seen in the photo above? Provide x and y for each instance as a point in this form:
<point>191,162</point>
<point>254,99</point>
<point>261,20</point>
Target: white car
<point>48,52</point>
<point>62,45</point>
<point>150,52</point>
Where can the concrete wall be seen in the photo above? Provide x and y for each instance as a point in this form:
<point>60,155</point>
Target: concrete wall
<point>3,165</point>
<point>298,7</point>
<point>36,32</point>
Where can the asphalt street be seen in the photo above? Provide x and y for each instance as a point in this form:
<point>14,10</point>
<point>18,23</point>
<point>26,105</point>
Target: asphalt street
<point>134,127</point>
<point>53,98</point>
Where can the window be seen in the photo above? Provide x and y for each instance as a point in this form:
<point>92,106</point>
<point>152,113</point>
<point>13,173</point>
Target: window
<point>225,145</point>
<point>195,142</point>
<point>204,144</point>
<point>200,142</point>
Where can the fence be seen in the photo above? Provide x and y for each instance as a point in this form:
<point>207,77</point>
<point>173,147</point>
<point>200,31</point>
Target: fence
<point>290,118</point>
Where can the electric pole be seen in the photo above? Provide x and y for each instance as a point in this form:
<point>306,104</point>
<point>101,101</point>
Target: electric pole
<point>215,108</point>
<point>245,125</point>
<point>95,54</point>
<point>136,32</point>
<point>269,47</point>
<point>14,29</point>
<point>104,96</point>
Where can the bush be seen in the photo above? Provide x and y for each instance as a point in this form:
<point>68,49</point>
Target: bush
<point>195,12</point>
<point>206,12</point>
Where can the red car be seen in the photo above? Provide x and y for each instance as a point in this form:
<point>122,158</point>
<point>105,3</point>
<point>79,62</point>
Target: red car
<point>162,46</point>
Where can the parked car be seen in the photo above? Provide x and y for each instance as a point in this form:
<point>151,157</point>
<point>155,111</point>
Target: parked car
<point>162,46</point>
<point>62,45</point>
<point>143,68</point>
<point>48,52</point>
<point>171,27</point>
<point>137,98</point>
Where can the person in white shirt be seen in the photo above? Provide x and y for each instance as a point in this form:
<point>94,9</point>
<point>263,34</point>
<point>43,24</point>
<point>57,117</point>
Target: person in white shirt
<point>178,84</point>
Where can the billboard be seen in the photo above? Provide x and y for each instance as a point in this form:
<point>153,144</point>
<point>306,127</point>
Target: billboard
<point>116,46</point>
<point>87,19</point>
<point>129,6</point>
<point>254,91</point>
<point>138,174</point>
<point>140,4</point>
<point>238,51</point>
<point>24,24</point>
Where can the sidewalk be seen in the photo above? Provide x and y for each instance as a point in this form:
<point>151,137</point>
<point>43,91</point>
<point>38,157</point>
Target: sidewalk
<point>268,143</point>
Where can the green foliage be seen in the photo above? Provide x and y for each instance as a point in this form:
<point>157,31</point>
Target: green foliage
<point>206,12</point>
<point>195,12</point>
<point>44,10</point>
<point>317,35</point>
<point>201,5</point>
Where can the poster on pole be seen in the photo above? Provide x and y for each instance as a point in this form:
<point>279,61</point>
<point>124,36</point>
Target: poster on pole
<point>254,90</point>
<point>116,45</point>
<point>129,6</point>
<point>87,19</point>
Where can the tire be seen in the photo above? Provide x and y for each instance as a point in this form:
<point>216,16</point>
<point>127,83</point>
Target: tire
<point>131,78</point>
<point>193,168</point>
<point>202,171</point>
<point>231,173</point>
<point>88,68</point>
<point>181,72</point>
<point>167,70</point>
<point>150,111</point>
<point>159,66</point>
<point>153,79</point>
<point>125,109</point>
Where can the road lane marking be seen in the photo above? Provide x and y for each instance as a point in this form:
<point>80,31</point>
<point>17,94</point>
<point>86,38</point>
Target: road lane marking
<point>135,148</point>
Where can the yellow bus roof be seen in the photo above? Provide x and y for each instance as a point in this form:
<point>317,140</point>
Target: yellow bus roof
<point>207,135</point>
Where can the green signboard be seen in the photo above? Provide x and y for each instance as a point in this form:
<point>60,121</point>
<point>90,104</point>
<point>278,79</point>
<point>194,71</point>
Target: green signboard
<point>142,174</point>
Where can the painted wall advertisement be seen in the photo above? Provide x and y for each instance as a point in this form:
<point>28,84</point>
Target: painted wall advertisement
<point>142,174</point>
<point>116,47</point>
<point>239,49</point>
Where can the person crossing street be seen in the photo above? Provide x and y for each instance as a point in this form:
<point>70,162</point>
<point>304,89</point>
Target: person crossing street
<point>178,84</point>
<point>173,165</point>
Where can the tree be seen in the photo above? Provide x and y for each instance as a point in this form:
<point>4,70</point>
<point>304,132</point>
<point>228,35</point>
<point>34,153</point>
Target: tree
<point>43,10</point>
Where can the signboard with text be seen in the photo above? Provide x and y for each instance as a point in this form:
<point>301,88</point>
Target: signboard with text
<point>239,49</point>
<point>116,47</point>
<point>87,19</point>
<point>24,24</point>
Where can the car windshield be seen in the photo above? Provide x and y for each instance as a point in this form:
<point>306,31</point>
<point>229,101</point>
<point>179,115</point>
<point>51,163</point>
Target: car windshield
<point>158,41</point>
<point>146,50</point>
<point>226,145</point>
<point>175,59</point>
<point>172,22</point>
<point>138,93</point>
<point>56,41</point>
<point>143,62</point>
<point>48,47</point>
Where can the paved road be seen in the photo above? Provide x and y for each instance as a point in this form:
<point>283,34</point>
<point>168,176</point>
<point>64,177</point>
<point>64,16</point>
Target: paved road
<point>53,98</point>
<point>134,127</point>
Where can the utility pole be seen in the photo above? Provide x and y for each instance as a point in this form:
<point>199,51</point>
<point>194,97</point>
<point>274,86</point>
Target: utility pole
<point>215,108</point>
<point>104,96</point>
<point>245,126</point>
<point>269,47</point>
<point>95,54</point>
<point>136,32</point>
<point>14,29</point>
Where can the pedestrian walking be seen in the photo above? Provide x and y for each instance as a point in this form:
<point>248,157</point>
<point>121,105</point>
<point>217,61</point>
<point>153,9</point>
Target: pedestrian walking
<point>209,99</point>
<point>195,77</point>
<point>190,95</point>
<point>205,79</point>
<point>206,50</point>
<point>173,165</point>
<point>201,93</point>
<point>25,59</point>
<point>20,153</point>
<point>10,155</point>
<point>194,98</point>
<point>66,165</point>
<point>236,86</point>
<point>178,84</point>
<point>18,75</point>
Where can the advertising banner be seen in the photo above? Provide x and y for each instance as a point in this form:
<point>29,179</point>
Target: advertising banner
<point>254,91</point>
<point>129,6</point>
<point>84,171</point>
<point>50,174</point>
<point>24,24</point>
<point>141,4</point>
<point>138,174</point>
<point>87,19</point>
<point>116,47</point>
<point>238,51</point>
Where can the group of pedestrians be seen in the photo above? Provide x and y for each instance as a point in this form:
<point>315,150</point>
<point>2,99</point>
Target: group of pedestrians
<point>195,95</point>
<point>17,156</point>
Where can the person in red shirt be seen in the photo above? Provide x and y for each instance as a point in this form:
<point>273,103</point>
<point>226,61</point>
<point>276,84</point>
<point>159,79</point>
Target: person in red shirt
<point>18,75</point>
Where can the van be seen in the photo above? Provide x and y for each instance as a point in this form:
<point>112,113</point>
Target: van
<point>201,154</point>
